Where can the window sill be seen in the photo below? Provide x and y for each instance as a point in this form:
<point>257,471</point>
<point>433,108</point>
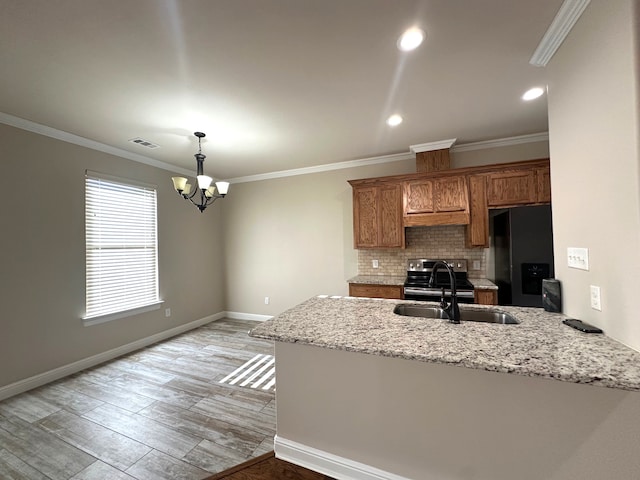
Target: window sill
<point>98,319</point>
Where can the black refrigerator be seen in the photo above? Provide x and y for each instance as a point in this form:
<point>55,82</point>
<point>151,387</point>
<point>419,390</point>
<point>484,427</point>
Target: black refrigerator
<point>522,252</point>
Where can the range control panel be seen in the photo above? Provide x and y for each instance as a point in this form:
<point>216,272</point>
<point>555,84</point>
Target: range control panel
<point>426,264</point>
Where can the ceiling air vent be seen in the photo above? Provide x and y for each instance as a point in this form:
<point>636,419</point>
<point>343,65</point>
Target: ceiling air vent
<point>144,143</point>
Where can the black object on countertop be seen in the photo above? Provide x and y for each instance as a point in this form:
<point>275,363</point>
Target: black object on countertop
<point>551,297</point>
<point>582,326</point>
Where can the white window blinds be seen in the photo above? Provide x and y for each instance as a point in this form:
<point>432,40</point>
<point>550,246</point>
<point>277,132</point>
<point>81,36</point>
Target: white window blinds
<point>121,245</point>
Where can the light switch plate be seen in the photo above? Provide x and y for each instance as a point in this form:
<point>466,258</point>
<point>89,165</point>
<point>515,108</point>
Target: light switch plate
<point>578,258</point>
<point>375,263</point>
<point>596,302</point>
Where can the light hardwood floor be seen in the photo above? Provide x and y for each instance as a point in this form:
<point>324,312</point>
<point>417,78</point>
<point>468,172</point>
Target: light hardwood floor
<point>158,413</point>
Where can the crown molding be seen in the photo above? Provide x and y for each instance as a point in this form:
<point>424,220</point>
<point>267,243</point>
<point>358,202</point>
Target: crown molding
<point>565,19</point>
<point>85,142</point>
<point>428,147</point>
<point>502,142</point>
<point>396,157</point>
<point>465,147</point>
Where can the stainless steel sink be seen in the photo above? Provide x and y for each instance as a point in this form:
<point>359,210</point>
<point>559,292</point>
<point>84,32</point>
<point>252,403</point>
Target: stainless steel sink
<point>486,316</point>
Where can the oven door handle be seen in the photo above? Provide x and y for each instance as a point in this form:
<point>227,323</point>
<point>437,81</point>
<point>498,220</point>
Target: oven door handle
<point>433,293</point>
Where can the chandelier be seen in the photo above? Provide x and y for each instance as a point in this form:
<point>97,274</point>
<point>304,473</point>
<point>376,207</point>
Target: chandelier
<point>205,193</point>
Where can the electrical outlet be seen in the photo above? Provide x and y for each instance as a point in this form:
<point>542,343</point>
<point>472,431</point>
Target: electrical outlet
<point>375,263</point>
<point>596,301</point>
<point>266,300</point>
<point>476,264</point>
<point>578,258</point>
<point>167,312</point>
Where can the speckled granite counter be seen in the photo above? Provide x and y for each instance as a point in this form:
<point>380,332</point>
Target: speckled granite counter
<point>377,280</point>
<point>541,345</point>
<point>483,283</point>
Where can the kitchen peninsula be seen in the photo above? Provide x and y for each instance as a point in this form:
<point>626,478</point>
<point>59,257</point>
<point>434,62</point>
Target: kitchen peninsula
<point>365,393</point>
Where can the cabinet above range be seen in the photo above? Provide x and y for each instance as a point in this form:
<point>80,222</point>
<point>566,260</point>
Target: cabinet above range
<point>384,206</point>
<point>432,200</point>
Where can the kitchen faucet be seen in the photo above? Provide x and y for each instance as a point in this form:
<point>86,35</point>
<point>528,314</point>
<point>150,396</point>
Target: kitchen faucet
<point>451,309</point>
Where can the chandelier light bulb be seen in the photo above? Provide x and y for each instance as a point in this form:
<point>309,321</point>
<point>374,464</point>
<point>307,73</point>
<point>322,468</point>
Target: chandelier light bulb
<point>223,187</point>
<point>204,181</point>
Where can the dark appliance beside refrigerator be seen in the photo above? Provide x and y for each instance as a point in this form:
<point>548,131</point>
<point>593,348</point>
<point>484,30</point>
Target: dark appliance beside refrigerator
<point>522,244</point>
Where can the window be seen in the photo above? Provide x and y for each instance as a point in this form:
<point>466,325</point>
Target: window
<point>121,248</point>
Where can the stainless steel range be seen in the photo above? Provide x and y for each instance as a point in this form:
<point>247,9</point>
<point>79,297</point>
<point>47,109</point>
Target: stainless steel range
<point>416,285</point>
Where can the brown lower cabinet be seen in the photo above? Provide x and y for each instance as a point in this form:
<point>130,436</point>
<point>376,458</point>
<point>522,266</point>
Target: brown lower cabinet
<point>376,291</point>
<point>485,296</point>
<point>482,296</point>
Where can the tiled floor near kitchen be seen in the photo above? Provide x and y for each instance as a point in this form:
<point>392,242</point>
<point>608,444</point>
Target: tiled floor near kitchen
<point>159,413</point>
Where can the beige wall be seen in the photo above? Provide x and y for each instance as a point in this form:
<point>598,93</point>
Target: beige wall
<point>292,238</point>
<point>431,422</point>
<point>594,143</point>
<point>42,245</point>
<point>505,154</point>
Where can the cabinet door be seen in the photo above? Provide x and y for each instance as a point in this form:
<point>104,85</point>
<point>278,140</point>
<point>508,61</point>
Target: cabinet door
<point>478,228</point>
<point>365,217</point>
<point>450,194</point>
<point>375,291</point>
<point>391,229</point>
<point>543,179</point>
<point>377,216</point>
<point>485,296</point>
<point>438,200</point>
<point>418,196</point>
<point>516,187</point>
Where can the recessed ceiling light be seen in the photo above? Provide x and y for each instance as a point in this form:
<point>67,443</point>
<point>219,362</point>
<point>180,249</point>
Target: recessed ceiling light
<point>411,39</point>
<point>532,93</point>
<point>394,120</point>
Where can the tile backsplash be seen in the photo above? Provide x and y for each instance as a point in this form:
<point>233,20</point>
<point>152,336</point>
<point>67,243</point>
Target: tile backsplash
<point>446,241</point>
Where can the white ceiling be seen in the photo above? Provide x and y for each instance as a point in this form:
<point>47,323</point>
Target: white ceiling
<point>275,84</point>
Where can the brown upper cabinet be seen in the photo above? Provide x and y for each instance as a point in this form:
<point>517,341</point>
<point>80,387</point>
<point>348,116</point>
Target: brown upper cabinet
<point>512,185</point>
<point>478,228</point>
<point>377,216</point>
<point>543,184</point>
<point>436,201</point>
<point>382,207</point>
<point>519,186</point>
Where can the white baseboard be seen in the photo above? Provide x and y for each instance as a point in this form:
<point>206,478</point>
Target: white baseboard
<point>60,372</point>
<point>248,316</point>
<point>328,463</point>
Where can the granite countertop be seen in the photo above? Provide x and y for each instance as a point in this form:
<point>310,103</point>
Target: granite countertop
<point>483,283</point>
<point>541,345</point>
<point>378,280</point>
